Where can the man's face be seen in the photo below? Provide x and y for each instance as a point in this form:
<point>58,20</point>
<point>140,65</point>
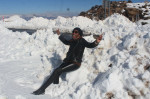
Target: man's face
<point>75,34</point>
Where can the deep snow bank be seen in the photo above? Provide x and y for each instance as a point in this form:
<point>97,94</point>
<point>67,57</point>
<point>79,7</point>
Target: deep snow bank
<point>118,67</point>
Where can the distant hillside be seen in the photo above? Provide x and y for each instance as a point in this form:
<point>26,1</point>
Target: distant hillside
<point>133,11</point>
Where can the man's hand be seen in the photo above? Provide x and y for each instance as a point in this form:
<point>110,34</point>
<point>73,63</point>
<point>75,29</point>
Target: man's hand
<point>99,38</point>
<point>58,32</point>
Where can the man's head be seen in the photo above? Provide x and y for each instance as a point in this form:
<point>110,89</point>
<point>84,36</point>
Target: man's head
<point>77,33</point>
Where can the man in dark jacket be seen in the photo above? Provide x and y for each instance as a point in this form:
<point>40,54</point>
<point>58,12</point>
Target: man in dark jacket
<point>73,58</point>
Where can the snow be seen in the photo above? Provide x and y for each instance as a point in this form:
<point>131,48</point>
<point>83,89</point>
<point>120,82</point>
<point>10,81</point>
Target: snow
<point>117,68</point>
<point>141,6</point>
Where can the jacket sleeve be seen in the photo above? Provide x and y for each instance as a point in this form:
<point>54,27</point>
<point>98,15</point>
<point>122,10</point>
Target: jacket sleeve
<point>90,45</point>
<point>66,42</point>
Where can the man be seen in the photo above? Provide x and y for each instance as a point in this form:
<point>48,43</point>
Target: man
<point>73,58</point>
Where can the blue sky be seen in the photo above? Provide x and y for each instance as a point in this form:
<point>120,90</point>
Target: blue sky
<point>47,6</point>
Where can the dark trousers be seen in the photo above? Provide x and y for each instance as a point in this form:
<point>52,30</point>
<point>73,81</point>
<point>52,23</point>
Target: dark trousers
<point>54,78</point>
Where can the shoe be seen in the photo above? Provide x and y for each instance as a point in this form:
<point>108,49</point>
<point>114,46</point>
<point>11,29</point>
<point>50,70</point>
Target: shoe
<point>39,92</point>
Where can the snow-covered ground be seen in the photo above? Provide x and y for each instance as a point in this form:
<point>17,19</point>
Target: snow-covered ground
<point>145,7</point>
<point>119,67</point>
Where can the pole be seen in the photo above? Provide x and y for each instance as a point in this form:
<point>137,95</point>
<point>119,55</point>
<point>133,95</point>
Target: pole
<point>105,10</point>
<point>109,7</point>
<point>3,18</point>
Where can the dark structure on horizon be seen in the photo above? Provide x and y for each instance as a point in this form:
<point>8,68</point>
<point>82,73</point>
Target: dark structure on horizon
<point>100,12</point>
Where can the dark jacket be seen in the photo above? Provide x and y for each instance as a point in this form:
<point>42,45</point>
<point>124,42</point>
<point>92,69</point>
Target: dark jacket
<point>76,48</point>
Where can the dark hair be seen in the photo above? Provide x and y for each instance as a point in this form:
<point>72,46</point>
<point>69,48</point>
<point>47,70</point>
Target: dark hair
<point>79,30</point>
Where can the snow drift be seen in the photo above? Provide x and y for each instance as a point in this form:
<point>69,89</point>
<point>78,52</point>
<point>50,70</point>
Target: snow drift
<point>119,67</point>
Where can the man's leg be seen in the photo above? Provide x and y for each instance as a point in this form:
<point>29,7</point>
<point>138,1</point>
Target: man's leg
<point>41,90</point>
<point>67,67</point>
<point>54,78</point>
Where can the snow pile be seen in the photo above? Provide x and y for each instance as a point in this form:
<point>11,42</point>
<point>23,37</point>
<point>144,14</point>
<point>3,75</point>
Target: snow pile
<point>19,23</point>
<point>119,67</point>
<point>14,21</point>
<point>38,22</point>
<point>62,23</point>
<point>69,22</point>
<point>129,75</point>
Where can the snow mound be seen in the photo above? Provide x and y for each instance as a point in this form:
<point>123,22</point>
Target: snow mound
<point>14,18</point>
<point>14,22</point>
<point>38,23</point>
<point>129,60</point>
<point>117,20</point>
<point>119,67</point>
